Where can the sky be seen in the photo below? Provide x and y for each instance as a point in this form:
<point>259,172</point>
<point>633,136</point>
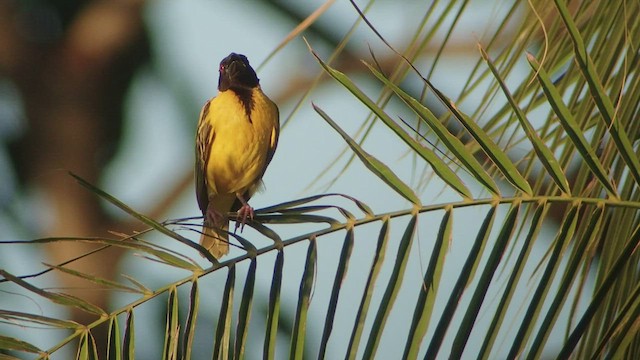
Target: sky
<point>189,39</point>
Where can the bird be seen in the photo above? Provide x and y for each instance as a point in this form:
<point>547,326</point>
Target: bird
<point>236,138</point>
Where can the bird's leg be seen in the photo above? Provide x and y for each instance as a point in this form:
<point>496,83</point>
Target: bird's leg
<point>244,212</point>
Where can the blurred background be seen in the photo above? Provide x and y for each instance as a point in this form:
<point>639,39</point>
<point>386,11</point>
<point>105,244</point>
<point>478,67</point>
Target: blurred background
<point>111,91</point>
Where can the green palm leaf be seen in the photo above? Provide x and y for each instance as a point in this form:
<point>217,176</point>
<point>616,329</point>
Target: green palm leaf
<point>553,144</point>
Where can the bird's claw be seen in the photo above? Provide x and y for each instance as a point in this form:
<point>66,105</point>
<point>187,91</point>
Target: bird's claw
<point>244,213</point>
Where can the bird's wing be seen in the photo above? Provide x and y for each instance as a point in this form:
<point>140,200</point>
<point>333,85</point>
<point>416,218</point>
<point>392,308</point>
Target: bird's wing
<point>204,140</point>
<point>274,138</point>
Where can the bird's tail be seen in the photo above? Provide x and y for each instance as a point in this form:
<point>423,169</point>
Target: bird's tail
<point>215,237</point>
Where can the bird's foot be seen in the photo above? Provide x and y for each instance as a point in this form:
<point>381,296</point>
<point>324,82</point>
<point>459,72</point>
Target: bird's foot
<point>244,213</point>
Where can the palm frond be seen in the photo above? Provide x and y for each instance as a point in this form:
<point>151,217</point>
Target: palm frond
<point>545,265</point>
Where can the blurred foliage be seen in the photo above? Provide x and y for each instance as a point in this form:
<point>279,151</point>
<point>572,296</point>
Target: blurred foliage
<point>574,193</point>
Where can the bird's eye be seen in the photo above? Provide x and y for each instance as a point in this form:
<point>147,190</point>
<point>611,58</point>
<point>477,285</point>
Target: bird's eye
<point>221,68</point>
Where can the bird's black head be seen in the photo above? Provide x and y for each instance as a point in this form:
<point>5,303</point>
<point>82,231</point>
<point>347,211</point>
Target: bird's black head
<point>235,72</point>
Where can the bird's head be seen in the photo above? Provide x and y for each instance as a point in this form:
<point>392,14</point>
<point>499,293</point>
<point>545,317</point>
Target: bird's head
<point>235,71</point>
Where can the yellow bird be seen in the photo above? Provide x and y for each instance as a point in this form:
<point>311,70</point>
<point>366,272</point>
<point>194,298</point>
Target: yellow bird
<point>236,138</point>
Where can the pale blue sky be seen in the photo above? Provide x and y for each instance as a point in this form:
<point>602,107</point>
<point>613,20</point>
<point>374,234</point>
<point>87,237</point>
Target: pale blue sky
<point>189,39</point>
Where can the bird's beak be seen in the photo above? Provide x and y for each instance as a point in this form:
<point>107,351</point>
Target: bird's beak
<point>234,69</point>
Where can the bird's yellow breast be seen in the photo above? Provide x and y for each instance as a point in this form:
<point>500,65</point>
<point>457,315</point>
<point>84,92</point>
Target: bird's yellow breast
<point>241,141</point>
